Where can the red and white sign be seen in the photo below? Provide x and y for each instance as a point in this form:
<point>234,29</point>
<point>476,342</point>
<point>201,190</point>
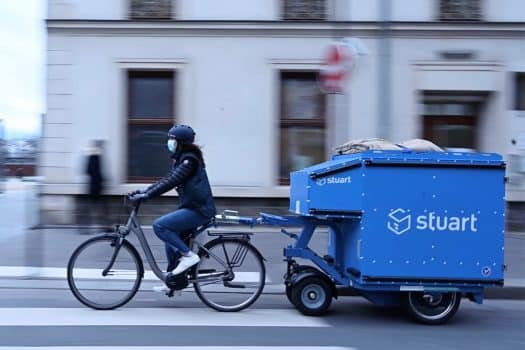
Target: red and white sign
<point>339,61</point>
<point>336,68</point>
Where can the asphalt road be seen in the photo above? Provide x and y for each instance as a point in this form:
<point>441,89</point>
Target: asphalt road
<point>51,317</point>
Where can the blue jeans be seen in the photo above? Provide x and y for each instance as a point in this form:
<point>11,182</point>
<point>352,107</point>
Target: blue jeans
<point>169,227</point>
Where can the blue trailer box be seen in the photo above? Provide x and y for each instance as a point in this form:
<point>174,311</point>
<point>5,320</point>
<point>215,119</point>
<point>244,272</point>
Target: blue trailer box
<point>406,216</point>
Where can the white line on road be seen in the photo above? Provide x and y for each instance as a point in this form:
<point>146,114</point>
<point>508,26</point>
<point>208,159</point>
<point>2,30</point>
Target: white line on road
<point>61,273</point>
<point>155,317</point>
<point>180,348</point>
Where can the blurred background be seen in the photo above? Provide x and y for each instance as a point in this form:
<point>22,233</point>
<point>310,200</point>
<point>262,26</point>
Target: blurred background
<point>108,78</point>
<point>90,88</point>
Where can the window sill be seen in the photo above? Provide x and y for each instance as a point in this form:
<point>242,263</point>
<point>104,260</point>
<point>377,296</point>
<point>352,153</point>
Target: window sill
<point>218,191</point>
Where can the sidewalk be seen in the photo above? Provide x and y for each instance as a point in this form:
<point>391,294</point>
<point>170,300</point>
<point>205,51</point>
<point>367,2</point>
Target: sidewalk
<point>43,255</point>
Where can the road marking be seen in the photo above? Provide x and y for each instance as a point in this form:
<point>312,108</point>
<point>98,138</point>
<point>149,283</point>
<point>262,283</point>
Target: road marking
<point>156,317</point>
<point>95,274</point>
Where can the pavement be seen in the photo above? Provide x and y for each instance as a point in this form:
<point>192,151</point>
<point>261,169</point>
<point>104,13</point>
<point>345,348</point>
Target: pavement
<point>40,255</point>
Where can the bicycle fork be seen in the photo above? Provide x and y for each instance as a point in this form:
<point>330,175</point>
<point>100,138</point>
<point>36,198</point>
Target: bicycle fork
<point>117,244</point>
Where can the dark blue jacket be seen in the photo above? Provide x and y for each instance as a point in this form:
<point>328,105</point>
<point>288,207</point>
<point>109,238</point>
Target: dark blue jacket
<point>188,175</point>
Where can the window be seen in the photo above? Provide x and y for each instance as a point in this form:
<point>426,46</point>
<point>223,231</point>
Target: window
<point>460,10</point>
<point>313,10</point>
<point>451,125</point>
<point>302,123</point>
<point>150,9</point>
<point>520,92</point>
<point>150,115</point>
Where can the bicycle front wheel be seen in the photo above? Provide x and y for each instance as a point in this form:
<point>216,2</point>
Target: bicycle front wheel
<point>98,287</point>
<point>230,275</point>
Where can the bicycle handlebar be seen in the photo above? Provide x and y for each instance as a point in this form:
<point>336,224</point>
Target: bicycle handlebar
<point>135,206</point>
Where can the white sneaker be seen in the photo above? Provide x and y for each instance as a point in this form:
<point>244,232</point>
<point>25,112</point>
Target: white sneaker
<point>185,262</point>
<point>161,289</point>
<point>166,290</point>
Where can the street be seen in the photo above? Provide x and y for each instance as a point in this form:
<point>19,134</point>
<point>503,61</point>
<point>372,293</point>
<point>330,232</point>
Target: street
<point>51,317</point>
<point>37,308</point>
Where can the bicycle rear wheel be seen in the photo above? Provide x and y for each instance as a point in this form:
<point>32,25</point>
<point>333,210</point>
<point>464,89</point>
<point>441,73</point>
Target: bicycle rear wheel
<point>235,286</point>
<point>102,291</point>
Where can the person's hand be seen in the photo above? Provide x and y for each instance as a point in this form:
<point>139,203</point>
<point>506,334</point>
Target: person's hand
<point>132,193</point>
<point>137,197</point>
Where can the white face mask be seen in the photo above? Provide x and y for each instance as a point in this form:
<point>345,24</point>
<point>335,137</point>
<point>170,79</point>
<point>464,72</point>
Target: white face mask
<point>172,145</point>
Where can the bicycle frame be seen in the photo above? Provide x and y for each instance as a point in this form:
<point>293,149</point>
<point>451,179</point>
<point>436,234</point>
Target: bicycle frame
<point>133,225</point>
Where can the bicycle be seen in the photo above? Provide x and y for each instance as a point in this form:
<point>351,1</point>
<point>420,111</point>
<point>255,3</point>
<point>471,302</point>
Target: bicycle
<point>105,272</point>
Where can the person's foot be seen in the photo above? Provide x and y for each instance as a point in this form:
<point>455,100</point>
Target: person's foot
<point>164,289</point>
<point>185,262</point>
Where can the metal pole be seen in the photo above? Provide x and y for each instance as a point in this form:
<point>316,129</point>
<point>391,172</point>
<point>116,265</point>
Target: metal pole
<point>384,72</point>
<point>337,103</point>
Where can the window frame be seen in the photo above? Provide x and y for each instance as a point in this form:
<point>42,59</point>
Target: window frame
<point>519,90</point>
<point>467,119</point>
<point>311,123</point>
<point>166,121</point>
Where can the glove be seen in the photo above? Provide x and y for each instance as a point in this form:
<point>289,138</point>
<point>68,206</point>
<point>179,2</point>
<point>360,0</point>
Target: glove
<point>137,198</point>
<point>134,192</point>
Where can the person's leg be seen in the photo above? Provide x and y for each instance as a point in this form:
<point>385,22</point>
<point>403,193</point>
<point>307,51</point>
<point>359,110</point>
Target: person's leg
<point>91,215</point>
<point>169,227</point>
<point>83,212</point>
<point>104,213</point>
<point>172,256</point>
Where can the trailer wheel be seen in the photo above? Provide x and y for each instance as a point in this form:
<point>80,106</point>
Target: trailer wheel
<point>312,296</point>
<point>299,269</point>
<point>432,308</point>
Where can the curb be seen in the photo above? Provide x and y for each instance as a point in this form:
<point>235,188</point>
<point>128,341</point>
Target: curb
<point>507,292</point>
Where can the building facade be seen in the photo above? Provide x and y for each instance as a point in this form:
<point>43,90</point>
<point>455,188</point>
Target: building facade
<point>244,74</point>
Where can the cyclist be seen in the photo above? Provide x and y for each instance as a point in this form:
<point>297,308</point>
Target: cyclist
<point>196,205</point>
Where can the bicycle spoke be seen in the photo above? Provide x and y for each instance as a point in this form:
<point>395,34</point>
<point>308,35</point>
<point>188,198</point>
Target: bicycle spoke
<point>236,288</point>
<point>239,255</point>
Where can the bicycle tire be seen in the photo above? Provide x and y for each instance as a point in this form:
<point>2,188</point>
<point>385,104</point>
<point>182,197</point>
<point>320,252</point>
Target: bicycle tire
<point>261,274</point>
<point>73,282</point>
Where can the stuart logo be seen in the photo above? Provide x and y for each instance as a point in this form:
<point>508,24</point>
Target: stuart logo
<point>399,221</point>
<point>321,182</point>
<point>332,180</point>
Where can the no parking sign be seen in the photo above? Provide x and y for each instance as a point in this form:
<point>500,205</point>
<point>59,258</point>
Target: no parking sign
<point>339,61</point>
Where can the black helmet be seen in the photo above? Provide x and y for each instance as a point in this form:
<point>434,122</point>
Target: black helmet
<point>182,133</point>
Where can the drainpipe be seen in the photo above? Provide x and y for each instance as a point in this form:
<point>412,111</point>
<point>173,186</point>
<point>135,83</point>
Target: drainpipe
<point>384,71</point>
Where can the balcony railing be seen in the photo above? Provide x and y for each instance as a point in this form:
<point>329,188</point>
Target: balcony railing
<point>151,9</point>
<point>460,10</point>
<point>312,10</point>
